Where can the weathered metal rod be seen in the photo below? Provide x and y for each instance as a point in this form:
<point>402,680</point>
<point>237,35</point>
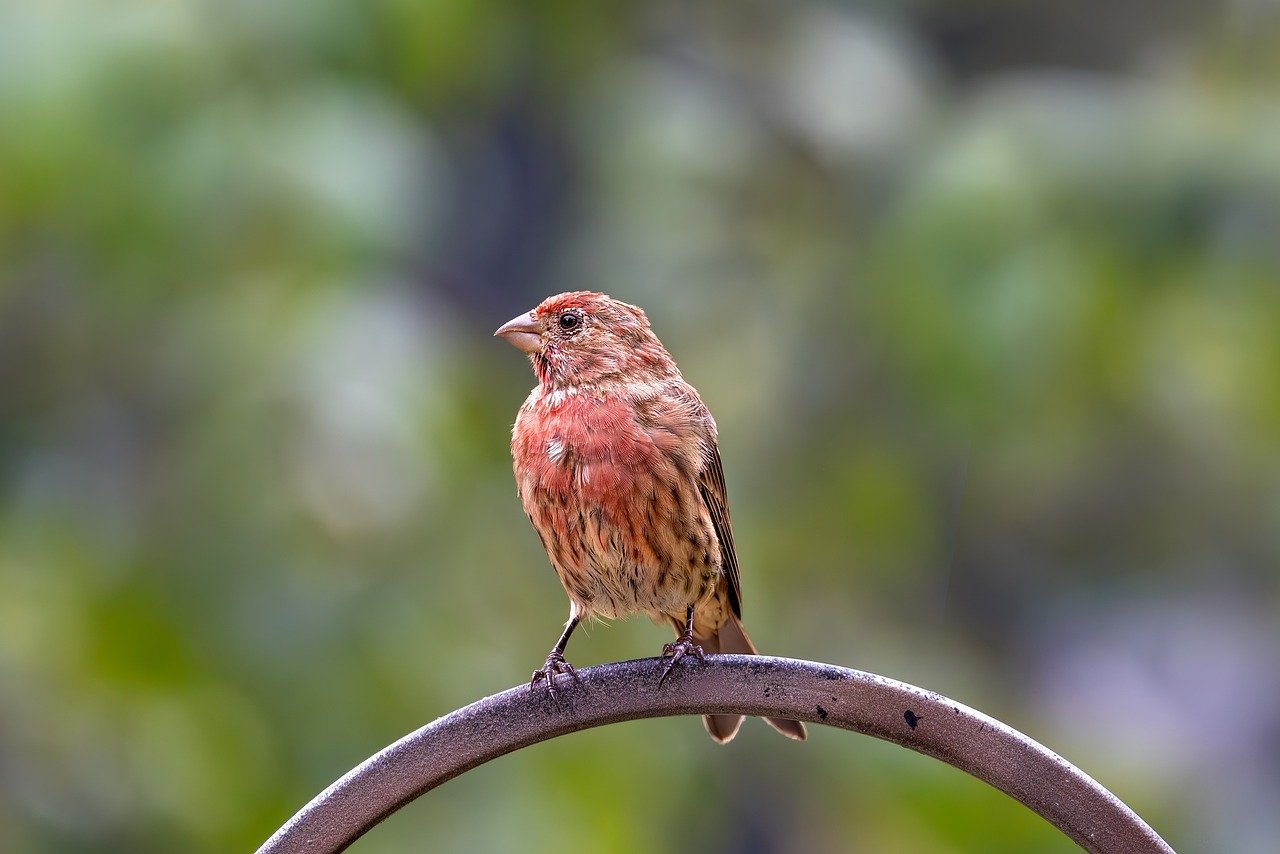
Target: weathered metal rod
<point>754,685</point>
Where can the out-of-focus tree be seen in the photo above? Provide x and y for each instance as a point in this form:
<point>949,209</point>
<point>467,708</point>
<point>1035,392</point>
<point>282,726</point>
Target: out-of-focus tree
<point>984,297</point>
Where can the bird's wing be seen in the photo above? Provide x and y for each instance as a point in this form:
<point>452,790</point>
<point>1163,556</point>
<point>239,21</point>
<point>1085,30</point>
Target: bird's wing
<point>711,485</point>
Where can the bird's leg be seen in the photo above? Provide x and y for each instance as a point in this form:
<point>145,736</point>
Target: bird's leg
<point>683,646</point>
<point>555,659</point>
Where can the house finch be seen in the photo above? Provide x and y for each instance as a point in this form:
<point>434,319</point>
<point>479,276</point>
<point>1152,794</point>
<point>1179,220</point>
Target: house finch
<point>617,467</point>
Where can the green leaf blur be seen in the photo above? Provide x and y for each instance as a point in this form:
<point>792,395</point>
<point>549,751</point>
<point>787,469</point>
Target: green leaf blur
<point>985,297</point>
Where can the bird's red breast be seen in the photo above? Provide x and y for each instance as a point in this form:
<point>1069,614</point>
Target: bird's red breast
<point>615,500</point>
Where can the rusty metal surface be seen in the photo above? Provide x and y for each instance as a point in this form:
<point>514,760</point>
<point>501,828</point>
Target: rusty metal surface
<point>754,685</point>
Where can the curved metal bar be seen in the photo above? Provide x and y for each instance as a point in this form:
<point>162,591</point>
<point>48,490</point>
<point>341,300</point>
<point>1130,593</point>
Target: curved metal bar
<point>921,720</point>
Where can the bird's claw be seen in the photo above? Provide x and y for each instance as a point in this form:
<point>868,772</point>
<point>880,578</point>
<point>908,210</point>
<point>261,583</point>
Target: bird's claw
<point>677,650</point>
<point>554,667</point>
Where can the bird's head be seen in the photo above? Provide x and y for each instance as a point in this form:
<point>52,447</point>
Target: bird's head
<point>582,338</point>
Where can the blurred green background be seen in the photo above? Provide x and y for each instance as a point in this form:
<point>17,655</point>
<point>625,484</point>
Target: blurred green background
<point>985,297</point>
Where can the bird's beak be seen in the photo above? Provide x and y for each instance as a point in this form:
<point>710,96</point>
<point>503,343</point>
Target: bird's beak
<point>522,332</point>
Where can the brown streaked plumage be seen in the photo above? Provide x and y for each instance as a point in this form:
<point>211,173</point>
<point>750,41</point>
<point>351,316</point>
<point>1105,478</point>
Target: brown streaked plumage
<point>617,466</point>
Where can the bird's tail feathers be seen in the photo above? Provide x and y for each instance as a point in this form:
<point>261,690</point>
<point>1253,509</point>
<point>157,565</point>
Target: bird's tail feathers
<point>732,638</point>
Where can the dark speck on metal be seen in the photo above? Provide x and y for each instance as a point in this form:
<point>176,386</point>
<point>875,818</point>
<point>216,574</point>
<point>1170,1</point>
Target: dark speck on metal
<point>753,685</point>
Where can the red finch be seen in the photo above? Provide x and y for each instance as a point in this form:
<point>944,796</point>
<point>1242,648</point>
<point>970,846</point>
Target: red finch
<point>618,470</point>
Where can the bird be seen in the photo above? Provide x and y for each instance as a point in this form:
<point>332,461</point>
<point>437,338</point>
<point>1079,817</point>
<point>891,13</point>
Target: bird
<point>618,467</point>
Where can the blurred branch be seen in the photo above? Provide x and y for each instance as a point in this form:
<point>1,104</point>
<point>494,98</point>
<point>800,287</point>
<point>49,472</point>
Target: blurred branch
<point>754,685</point>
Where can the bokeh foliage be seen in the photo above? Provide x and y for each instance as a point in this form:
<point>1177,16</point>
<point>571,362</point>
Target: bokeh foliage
<point>985,297</point>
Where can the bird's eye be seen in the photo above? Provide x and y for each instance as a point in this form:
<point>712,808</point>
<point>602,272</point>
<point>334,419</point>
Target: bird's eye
<point>569,320</point>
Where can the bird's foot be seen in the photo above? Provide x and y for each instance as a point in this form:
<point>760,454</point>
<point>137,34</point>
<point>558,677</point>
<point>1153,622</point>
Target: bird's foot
<point>554,667</point>
<point>682,646</point>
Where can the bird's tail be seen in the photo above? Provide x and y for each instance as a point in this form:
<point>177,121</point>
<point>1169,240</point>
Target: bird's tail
<point>733,639</point>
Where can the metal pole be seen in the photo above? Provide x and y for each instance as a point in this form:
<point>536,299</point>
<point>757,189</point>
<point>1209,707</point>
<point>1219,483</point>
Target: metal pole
<point>921,720</point>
